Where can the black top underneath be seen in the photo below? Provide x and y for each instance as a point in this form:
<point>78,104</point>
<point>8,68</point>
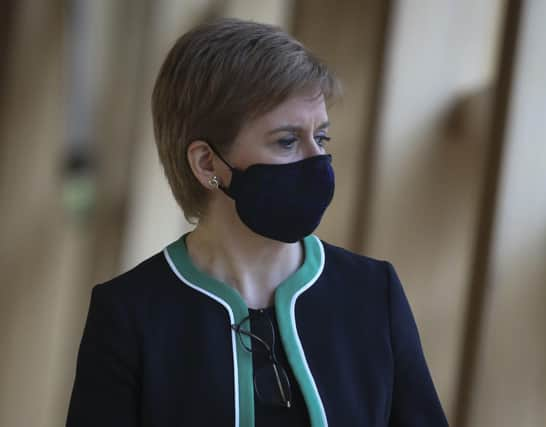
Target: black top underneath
<point>268,415</point>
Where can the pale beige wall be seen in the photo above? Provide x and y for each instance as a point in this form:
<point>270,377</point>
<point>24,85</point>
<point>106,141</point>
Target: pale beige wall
<point>425,203</point>
<point>511,374</point>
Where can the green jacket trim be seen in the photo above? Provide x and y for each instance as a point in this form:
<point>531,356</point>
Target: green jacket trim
<point>285,306</point>
<point>286,295</point>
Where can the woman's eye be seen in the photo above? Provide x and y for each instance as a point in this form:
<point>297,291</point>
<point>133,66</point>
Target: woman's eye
<point>322,140</point>
<point>287,142</point>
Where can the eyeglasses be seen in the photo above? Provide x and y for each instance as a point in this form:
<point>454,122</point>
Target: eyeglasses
<point>270,373</point>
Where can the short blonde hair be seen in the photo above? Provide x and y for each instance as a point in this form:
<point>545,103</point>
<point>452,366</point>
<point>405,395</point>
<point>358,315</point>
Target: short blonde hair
<point>214,78</point>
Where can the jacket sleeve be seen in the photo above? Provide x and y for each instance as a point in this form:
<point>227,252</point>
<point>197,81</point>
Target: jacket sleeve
<point>415,402</point>
<point>105,390</point>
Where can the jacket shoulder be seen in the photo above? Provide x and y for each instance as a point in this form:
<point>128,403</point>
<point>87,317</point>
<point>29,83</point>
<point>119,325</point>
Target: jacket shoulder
<point>139,281</point>
<point>338,257</point>
<point>352,275</point>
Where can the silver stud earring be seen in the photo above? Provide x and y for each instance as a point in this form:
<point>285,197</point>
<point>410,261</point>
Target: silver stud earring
<point>213,181</point>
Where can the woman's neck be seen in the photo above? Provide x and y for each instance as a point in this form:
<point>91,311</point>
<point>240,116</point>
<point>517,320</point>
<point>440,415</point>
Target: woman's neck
<point>252,264</point>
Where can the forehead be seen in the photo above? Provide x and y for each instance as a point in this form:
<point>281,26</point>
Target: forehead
<point>300,109</point>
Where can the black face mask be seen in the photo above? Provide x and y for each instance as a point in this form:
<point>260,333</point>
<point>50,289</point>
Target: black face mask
<point>283,202</point>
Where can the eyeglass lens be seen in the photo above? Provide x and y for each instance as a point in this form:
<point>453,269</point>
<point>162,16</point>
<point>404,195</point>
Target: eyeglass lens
<point>271,381</point>
<point>272,385</point>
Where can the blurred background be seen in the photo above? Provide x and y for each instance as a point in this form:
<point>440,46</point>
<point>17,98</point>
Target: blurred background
<point>439,157</point>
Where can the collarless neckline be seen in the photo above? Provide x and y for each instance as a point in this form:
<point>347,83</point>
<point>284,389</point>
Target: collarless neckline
<point>183,263</point>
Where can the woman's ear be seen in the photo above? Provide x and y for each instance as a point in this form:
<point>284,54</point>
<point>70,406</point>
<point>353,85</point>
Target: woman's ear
<point>201,160</point>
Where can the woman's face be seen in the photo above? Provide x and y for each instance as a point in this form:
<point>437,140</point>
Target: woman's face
<point>294,130</point>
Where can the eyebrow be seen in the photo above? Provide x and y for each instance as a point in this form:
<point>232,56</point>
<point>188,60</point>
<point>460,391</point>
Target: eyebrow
<point>292,128</point>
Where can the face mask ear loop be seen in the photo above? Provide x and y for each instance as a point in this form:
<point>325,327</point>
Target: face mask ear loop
<point>221,158</point>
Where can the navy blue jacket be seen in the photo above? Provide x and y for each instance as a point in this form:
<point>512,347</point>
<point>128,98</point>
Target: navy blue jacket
<point>157,349</point>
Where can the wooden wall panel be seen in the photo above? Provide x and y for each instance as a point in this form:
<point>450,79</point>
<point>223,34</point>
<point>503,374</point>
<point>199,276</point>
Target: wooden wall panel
<point>348,36</point>
<point>510,387</point>
<point>425,201</point>
<point>31,128</point>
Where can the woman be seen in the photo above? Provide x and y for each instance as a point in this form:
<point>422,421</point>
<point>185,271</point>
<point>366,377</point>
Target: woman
<point>250,319</point>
